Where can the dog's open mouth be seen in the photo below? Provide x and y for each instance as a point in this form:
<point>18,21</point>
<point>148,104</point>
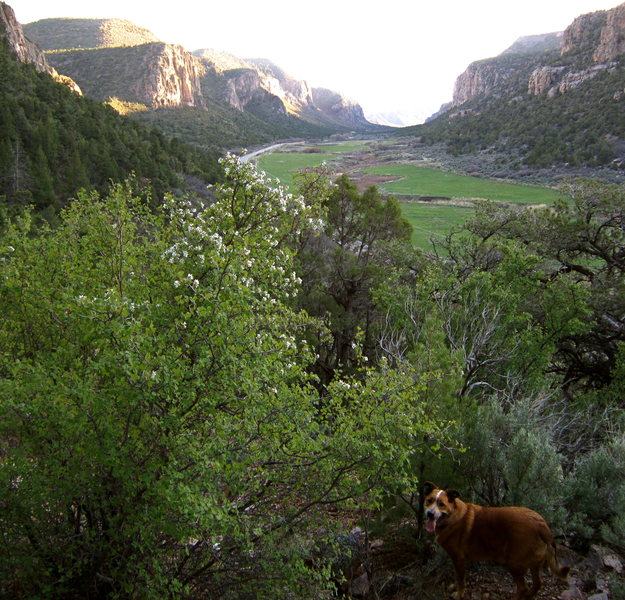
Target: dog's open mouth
<point>430,525</point>
<point>432,522</point>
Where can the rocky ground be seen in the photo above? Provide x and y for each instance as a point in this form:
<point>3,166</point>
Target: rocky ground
<point>401,565</point>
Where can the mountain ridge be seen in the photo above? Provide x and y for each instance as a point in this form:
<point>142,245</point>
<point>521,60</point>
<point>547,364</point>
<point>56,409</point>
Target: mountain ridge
<point>114,59</point>
<point>558,108</point>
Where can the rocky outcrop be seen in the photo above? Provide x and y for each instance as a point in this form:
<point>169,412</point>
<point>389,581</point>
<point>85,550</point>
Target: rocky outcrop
<point>171,77</point>
<point>255,81</point>
<point>543,79</point>
<point>25,50</point>
<point>612,38</point>
<point>295,93</point>
<point>583,33</point>
<point>244,89</point>
<point>337,107</point>
<point>480,78</point>
<point>597,37</point>
<point>156,74</point>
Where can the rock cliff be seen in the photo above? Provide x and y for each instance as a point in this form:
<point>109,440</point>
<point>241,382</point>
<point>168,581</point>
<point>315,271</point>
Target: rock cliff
<point>337,107</point>
<point>254,81</point>
<point>23,48</point>
<point>543,79</point>
<point>583,33</point>
<point>244,90</point>
<point>531,65</point>
<point>612,38</point>
<point>154,74</point>
<point>111,58</point>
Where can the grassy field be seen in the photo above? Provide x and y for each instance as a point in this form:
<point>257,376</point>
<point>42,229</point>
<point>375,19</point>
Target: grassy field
<point>343,147</point>
<point>433,182</point>
<point>431,221</point>
<point>283,164</point>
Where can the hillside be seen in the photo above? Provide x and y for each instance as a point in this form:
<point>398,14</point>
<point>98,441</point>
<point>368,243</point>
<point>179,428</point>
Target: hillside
<point>542,106</point>
<point>113,60</point>
<point>58,34</point>
<point>54,141</point>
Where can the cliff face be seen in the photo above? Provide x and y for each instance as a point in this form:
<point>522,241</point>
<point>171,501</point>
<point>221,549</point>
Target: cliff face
<point>294,93</point>
<point>531,65</point>
<point>154,74</point>
<point>583,33</point>
<point>25,50</point>
<point>336,106</point>
<point>244,90</point>
<point>111,58</point>
<point>612,39</point>
<point>171,77</point>
<point>479,79</point>
<point>255,81</point>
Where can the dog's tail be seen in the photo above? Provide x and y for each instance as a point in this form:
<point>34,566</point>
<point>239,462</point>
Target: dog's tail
<point>561,572</point>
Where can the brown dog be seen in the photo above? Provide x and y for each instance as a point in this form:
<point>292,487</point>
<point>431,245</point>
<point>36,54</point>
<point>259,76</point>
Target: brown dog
<point>516,537</point>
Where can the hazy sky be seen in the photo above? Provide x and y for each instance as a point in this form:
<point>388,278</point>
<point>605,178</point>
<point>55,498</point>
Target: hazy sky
<point>390,55</point>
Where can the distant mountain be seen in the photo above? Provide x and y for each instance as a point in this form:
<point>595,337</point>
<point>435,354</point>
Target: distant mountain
<point>55,141</point>
<point>115,61</point>
<point>60,34</point>
<point>535,43</point>
<point>548,99</point>
<point>395,118</point>
<point>249,78</point>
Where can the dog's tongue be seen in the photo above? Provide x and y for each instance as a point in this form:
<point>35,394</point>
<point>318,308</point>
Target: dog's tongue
<point>430,525</point>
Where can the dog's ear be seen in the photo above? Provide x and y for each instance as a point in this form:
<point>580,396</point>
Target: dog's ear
<point>452,494</point>
<point>428,486</point>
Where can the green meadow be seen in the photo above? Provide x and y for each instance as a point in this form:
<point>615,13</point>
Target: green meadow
<point>429,220</point>
<point>283,164</point>
<point>433,221</point>
<point>423,181</point>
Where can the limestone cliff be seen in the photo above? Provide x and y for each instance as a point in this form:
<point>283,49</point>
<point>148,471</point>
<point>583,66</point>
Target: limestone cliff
<point>612,38</point>
<point>543,79</point>
<point>23,48</point>
<point>294,93</point>
<point>154,74</point>
<point>255,81</point>
<point>336,106</point>
<point>531,65</point>
<point>111,58</point>
<point>583,33</point>
<point>244,90</point>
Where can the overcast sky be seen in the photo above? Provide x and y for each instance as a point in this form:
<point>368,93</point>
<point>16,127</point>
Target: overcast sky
<point>391,55</point>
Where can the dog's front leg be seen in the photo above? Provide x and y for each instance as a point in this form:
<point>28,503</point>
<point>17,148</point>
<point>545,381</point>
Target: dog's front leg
<point>459,566</point>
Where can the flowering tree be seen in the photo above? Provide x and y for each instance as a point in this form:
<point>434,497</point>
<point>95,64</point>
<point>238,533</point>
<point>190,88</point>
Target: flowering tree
<point>159,433</point>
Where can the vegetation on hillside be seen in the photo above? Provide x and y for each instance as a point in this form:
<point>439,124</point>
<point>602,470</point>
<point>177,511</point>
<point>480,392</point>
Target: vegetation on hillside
<point>200,399</point>
<point>581,127</point>
<point>58,34</point>
<point>54,142</point>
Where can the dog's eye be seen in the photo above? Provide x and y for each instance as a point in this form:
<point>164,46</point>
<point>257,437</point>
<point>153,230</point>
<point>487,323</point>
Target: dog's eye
<point>441,504</point>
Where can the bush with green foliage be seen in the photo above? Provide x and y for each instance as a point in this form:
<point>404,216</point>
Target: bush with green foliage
<point>511,458</point>
<point>160,433</point>
<point>598,474</point>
